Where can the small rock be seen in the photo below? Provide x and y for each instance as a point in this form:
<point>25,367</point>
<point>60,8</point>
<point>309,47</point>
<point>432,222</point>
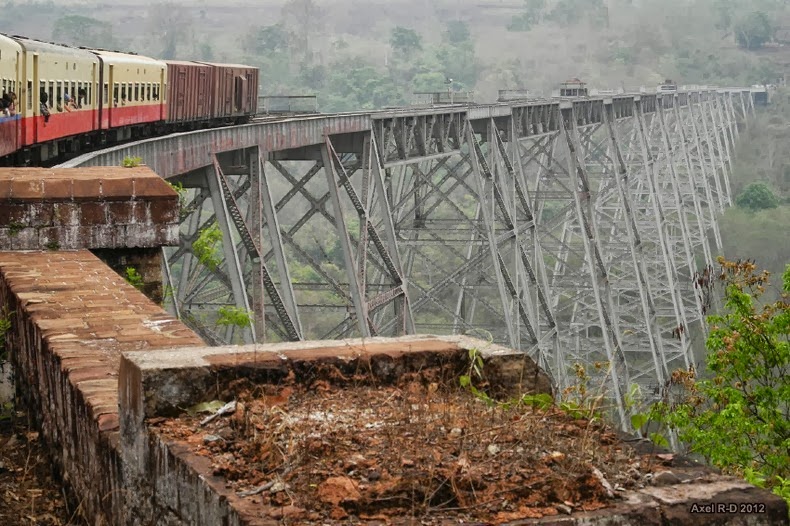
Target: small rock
<point>278,487</point>
<point>564,509</point>
<point>335,490</point>
<point>225,433</point>
<point>373,475</point>
<point>556,456</point>
<point>456,432</point>
<point>665,478</point>
<point>493,449</point>
<point>406,463</point>
<point>210,439</point>
<point>605,483</point>
<point>519,450</point>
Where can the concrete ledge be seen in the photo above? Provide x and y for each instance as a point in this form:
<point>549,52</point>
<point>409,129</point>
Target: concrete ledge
<point>168,479</point>
<point>171,481</point>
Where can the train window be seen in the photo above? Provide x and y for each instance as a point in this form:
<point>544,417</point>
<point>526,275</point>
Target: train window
<point>115,93</point>
<point>156,91</point>
<point>148,91</point>
<point>30,94</point>
<point>59,95</point>
<point>106,93</point>
<point>51,93</point>
<point>137,91</point>
<point>130,91</point>
<point>164,88</point>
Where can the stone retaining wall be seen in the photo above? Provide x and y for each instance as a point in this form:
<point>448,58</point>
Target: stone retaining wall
<point>72,318</point>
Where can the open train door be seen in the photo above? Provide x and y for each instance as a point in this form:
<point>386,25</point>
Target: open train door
<point>239,93</point>
<point>32,87</point>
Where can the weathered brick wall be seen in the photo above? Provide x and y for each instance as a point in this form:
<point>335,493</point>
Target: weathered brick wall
<point>72,319</point>
<point>76,208</point>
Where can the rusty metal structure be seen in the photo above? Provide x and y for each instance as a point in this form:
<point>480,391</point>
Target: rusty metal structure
<point>576,230</point>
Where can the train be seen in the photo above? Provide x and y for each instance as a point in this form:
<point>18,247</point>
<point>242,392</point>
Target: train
<point>60,100</point>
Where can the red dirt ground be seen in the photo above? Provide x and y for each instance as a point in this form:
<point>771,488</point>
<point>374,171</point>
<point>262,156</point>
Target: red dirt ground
<point>417,449</point>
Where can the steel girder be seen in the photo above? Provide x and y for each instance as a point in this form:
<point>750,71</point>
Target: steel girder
<point>576,232</point>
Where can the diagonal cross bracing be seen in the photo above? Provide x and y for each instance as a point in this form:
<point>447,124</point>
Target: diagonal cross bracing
<point>576,230</point>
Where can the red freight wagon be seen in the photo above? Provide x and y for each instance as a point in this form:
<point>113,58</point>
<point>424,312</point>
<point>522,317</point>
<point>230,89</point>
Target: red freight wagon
<point>234,89</point>
<point>189,91</point>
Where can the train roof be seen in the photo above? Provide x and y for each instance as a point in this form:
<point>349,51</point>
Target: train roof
<point>116,57</point>
<point>5,40</point>
<point>186,63</point>
<point>220,65</point>
<point>31,44</point>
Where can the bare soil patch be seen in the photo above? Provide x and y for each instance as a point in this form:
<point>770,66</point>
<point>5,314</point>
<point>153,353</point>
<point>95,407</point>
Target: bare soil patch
<point>329,454</point>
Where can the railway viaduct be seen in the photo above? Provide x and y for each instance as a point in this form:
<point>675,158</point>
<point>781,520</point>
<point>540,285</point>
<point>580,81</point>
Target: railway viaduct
<point>569,231</point>
<point>575,231</point>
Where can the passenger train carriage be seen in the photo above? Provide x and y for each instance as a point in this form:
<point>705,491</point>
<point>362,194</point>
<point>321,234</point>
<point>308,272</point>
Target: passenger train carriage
<point>69,98</point>
<point>10,55</point>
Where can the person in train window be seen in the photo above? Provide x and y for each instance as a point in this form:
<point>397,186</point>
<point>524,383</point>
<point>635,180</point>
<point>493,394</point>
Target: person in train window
<point>59,104</point>
<point>68,102</point>
<point>5,102</point>
<point>8,104</point>
<point>82,97</point>
<point>44,98</point>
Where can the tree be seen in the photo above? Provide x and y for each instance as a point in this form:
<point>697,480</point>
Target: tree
<point>457,32</point>
<point>173,22</point>
<point>753,30</point>
<point>739,416</point>
<point>568,12</point>
<point>267,39</point>
<point>302,18</point>
<point>405,41</point>
<point>83,31</point>
<point>757,196</point>
<point>533,14</point>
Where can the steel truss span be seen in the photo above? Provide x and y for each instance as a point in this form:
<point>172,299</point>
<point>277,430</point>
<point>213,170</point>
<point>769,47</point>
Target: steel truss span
<point>581,231</point>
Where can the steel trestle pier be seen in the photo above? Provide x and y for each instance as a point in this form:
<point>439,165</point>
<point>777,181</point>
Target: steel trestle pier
<point>577,230</point>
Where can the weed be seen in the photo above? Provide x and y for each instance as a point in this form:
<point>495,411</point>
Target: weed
<point>234,316</point>
<point>15,227</point>
<point>131,162</point>
<point>206,246</point>
<point>134,278</point>
<point>52,245</point>
<point>5,326</point>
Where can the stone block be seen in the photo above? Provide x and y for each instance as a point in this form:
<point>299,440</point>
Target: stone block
<point>11,212</point>
<point>164,211</point>
<point>58,189</point>
<point>86,189</point>
<point>120,212</point>
<point>41,214</point>
<point>27,189</point>
<point>93,213</point>
<point>152,188</point>
<point>117,188</point>
<point>67,214</point>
